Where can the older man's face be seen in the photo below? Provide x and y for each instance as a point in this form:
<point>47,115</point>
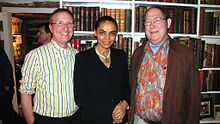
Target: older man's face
<point>156,26</point>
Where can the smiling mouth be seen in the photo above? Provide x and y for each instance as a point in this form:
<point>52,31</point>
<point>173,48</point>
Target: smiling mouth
<point>153,32</point>
<point>63,33</point>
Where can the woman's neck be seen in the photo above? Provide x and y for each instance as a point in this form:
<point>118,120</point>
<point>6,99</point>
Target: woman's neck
<point>103,51</point>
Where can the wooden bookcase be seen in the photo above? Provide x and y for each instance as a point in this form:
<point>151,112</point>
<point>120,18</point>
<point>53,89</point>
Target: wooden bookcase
<point>194,19</point>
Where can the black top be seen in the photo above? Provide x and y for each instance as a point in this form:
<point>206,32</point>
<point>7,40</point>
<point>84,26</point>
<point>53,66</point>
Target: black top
<point>98,88</point>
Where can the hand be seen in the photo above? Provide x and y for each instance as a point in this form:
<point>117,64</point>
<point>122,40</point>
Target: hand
<point>20,110</point>
<point>119,112</point>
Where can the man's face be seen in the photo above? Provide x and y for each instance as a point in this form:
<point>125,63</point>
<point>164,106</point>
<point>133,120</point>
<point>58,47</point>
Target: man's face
<point>156,26</point>
<point>42,36</point>
<point>61,28</point>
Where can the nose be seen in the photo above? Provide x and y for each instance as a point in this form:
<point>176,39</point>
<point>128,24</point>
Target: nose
<point>152,24</point>
<point>107,36</point>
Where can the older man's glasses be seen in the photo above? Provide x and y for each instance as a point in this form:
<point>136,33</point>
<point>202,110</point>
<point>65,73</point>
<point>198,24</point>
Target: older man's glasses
<point>155,21</point>
<point>62,24</point>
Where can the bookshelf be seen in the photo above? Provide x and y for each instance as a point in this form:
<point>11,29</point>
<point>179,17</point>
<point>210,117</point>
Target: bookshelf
<point>194,20</point>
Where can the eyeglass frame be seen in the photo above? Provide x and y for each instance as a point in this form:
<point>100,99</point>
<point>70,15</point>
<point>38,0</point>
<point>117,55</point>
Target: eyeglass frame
<point>155,20</point>
<point>62,24</point>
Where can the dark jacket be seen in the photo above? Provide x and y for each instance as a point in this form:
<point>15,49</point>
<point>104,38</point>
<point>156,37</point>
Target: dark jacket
<point>181,100</point>
<point>6,84</point>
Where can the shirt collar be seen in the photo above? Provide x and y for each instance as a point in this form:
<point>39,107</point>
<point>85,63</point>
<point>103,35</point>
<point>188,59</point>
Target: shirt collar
<point>155,47</point>
<point>58,48</point>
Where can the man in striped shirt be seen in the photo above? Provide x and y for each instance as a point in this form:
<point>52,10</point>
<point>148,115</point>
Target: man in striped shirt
<point>48,74</point>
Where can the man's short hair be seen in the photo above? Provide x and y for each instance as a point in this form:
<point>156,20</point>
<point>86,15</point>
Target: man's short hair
<point>58,11</point>
<point>162,9</point>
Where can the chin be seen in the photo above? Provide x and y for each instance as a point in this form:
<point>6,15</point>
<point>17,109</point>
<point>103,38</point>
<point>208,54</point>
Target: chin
<point>155,41</point>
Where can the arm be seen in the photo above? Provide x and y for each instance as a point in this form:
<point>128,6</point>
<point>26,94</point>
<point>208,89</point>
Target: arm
<point>28,85</point>
<point>26,103</point>
<point>78,77</point>
<point>119,111</point>
<point>126,92</point>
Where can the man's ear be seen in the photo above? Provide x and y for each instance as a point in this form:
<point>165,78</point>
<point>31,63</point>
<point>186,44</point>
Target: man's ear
<point>50,27</point>
<point>169,22</point>
<point>49,34</point>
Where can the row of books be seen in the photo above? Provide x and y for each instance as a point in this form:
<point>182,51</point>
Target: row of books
<point>187,1</point>
<point>86,17</point>
<point>125,43</point>
<point>207,55</point>
<point>198,48</point>
<point>210,2</point>
<point>184,19</point>
<point>174,1</point>
<point>122,16</point>
<point>86,42</point>
<point>83,43</point>
<point>209,80</point>
<point>210,22</point>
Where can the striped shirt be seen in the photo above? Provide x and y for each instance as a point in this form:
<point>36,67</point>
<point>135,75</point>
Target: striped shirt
<point>48,72</point>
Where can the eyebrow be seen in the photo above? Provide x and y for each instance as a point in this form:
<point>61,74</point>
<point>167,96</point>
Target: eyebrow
<point>113,31</point>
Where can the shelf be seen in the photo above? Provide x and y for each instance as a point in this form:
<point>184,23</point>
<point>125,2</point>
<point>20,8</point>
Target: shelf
<point>210,120</point>
<point>139,35</point>
<point>181,13</point>
<point>166,4</point>
<point>210,36</point>
<point>99,1</point>
<point>209,69</point>
<point>210,92</point>
<point>209,6</point>
<point>86,4</point>
<point>86,33</point>
<point>119,5</point>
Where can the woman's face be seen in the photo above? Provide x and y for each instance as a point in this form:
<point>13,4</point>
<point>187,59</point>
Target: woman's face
<point>106,34</point>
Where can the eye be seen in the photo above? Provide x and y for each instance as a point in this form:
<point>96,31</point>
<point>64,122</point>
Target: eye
<point>113,34</point>
<point>60,23</point>
<point>101,32</point>
<point>147,23</point>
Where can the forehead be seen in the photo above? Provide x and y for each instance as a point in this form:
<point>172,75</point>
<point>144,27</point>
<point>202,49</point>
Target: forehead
<point>62,16</point>
<point>107,25</point>
<point>154,12</point>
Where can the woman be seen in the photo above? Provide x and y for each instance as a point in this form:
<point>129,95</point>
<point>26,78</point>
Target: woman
<point>101,77</point>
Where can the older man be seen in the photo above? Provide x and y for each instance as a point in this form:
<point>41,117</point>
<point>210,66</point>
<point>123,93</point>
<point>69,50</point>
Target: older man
<point>164,77</point>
